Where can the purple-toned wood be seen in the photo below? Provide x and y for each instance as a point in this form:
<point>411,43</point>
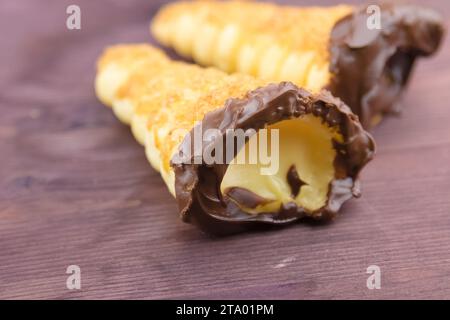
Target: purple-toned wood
<point>75,187</point>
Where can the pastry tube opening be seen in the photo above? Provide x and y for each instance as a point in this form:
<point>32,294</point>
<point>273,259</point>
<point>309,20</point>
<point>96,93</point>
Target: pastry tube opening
<point>314,47</point>
<point>314,147</point>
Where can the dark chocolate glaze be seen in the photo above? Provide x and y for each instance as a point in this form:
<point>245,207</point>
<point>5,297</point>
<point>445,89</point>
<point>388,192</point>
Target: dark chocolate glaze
<point>197,186</point>
<point>371,68</point>
<point>244,196</point>
<point>294,181</point>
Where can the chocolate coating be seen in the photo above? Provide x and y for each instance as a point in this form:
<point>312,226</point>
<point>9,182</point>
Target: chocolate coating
<point>371,68</point>
<point>197,186</point>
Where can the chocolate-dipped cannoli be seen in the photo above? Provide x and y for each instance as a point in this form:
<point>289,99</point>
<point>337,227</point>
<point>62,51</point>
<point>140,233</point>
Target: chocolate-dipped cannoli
<point>307,149</point>
<point>314,47</point>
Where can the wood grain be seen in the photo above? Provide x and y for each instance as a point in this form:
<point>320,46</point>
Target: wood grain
<point>75,187</point>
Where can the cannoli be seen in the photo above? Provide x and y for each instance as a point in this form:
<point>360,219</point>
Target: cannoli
<point>235,151</point>
<point>361,54</point>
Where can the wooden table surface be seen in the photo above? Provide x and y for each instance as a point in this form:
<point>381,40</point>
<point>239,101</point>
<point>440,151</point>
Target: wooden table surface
<point>76,189</point>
